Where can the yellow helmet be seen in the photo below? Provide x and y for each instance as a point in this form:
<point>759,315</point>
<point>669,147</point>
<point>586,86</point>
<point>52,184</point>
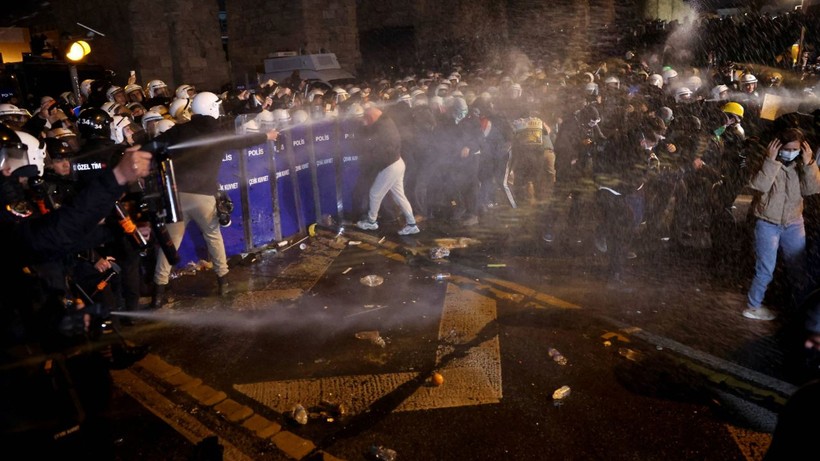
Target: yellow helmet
<point>733,108</point>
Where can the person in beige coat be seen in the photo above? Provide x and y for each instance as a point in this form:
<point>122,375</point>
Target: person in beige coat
<point>788,174</point>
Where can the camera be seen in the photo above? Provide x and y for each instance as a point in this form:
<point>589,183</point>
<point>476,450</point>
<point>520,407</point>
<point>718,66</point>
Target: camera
<point>157,200</point>
<point>224,208</point>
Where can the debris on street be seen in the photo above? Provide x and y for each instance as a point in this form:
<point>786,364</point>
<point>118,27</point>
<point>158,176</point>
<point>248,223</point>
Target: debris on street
<point>373,336</point>
<point>372,280</point>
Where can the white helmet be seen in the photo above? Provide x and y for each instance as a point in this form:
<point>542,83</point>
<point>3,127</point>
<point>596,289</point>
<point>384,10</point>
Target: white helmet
<point>718,90</point>
<point>281,117</point>
<point>748,78</point>
<point>591,89</point>
<point>164,125</point>
<point>131,87</point>
<point>112,91</point>
<point>154,86</point>
<point>341,95</point>
<point>85,87</point>
<point>148,121</point>
<point>119,122</point>
<point>682,93</point>
<point>613,80</point>
<point>655,80</point>
<point>300,116</point>
<point>11,109</point>
<point>36,151</point>
<point>666,114</point>
<point>13,116</point>
<point>694,82</point>
<point>185,91</point>
<point>180,110</point>
<point>207,103</point>
<point>313,93</point>
<point>111,107</point>
<point>667,74</point>
<point>263,121</point>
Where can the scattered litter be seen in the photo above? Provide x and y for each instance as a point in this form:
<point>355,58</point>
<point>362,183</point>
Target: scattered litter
<point>373,336</point>
<point>354,242</point>
<point>380,453</point>
<point>557,357</point>
<point>630,354</point>
<point>302,246</point>
<point>340,232</point>
<point>382,239</point>
<point>299,414</point>
<point>496,265</point>
<point>441,276</point>
<point>331,411</point>
<point>347,270</point>
<point>461,242</point>
<point>607,343</point>
<point>203,265</point>
<point>371,280</point>
<point>312,230</point>
<point>192,268</point>
<point>561,393</point>
<point>282,243</point>
<point>439,253</point>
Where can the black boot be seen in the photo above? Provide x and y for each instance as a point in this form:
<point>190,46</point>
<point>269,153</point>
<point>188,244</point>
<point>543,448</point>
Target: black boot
<point>159,296</point>
<point>223,285</point>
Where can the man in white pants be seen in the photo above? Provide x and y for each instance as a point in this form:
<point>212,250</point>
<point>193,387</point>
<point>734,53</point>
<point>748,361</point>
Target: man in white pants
<point>382,152</point>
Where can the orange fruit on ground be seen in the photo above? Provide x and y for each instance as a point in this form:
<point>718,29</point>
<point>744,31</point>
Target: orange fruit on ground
<point>438,379</point>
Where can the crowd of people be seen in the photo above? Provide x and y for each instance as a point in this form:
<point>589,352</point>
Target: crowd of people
<point>632,146</point>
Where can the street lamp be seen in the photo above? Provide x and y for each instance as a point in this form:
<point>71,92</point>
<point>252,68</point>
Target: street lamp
<point>77,51</point>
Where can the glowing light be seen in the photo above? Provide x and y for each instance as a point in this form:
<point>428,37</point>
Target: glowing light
<point>78,50</point>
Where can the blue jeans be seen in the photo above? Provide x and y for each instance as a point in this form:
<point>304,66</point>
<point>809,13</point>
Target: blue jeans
<point>791,240</point>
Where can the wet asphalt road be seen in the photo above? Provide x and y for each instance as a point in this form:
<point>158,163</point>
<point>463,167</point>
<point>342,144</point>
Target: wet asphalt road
<point>667,369</point>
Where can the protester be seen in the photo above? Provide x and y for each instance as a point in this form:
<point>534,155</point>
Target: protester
<point>788,173</point>
<point>382,154</point>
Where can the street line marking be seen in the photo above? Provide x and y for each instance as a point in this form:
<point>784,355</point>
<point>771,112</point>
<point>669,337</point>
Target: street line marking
<point>470,364</point>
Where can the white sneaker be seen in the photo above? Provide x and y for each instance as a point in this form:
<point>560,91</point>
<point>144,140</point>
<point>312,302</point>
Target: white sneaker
<point>366,224</point>
<point>759,313</point>
<point>410,230</point>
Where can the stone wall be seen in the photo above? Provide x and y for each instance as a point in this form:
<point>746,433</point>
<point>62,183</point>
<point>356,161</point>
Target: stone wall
<point>177,41</point>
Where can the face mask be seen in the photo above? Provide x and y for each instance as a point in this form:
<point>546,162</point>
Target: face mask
<point>720,131</point>
<point>460,115</point>
<point>788,155</point>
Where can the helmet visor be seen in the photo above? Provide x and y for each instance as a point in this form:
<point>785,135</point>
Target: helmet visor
<point>13,153</point>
